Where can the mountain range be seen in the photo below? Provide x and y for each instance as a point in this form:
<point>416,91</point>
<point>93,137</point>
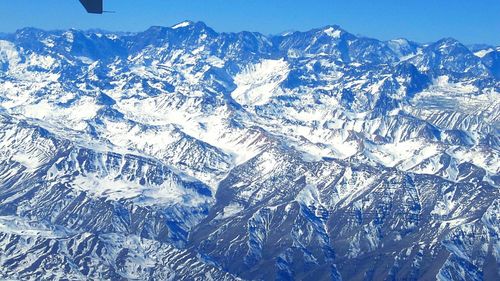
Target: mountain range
<point>182,153</point>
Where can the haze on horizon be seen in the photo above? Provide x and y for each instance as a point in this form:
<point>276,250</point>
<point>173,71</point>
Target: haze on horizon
<point>471,22</point>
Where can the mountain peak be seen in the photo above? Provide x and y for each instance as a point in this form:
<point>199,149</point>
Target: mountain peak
<point>447,45</point>
<point>333,31</point>
<point>448,42</point>
<point>29,31</point>
<point>192,26</point>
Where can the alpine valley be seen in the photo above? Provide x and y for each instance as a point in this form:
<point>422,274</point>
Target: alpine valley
<point>181,153</point>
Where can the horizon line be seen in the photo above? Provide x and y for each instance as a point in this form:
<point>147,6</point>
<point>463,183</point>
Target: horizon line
<point>283,33</point>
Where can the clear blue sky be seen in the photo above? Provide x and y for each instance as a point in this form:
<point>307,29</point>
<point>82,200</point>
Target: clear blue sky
<point>470,21</point>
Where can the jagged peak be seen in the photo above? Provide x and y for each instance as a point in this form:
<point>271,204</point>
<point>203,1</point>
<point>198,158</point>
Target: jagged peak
<point>333,31</point>
<point>193,25</point>
<point>448,43</point>
<point>29,31</point>
<point>400,41</point>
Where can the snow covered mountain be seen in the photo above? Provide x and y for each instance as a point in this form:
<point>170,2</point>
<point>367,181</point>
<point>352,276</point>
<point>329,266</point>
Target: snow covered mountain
<point>182,153</point>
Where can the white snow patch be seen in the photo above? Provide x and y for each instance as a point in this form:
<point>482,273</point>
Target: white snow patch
<point>309,196</point>
<point>257,83</point>
<point>27,160</point>
<point>485,158</point>
<point>230,211</point>
<point>392,154</point>
<point>483,53</point>
<point>115,189</point>
<point>332,32</point>
<point>182,24</point>
<point>21,226</point>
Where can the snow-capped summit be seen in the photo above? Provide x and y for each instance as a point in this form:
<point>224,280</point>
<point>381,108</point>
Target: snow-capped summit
<point>182,24</point>
<point>333,31</point>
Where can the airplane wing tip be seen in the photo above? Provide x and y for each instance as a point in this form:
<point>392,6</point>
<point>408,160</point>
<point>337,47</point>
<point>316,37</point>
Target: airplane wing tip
<point>93,6</point>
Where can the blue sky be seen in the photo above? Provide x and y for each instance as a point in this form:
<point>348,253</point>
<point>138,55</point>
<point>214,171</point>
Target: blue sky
<point>471,21</point>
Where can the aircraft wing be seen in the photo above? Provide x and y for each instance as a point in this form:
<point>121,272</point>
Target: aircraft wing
<point>93,6</point>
